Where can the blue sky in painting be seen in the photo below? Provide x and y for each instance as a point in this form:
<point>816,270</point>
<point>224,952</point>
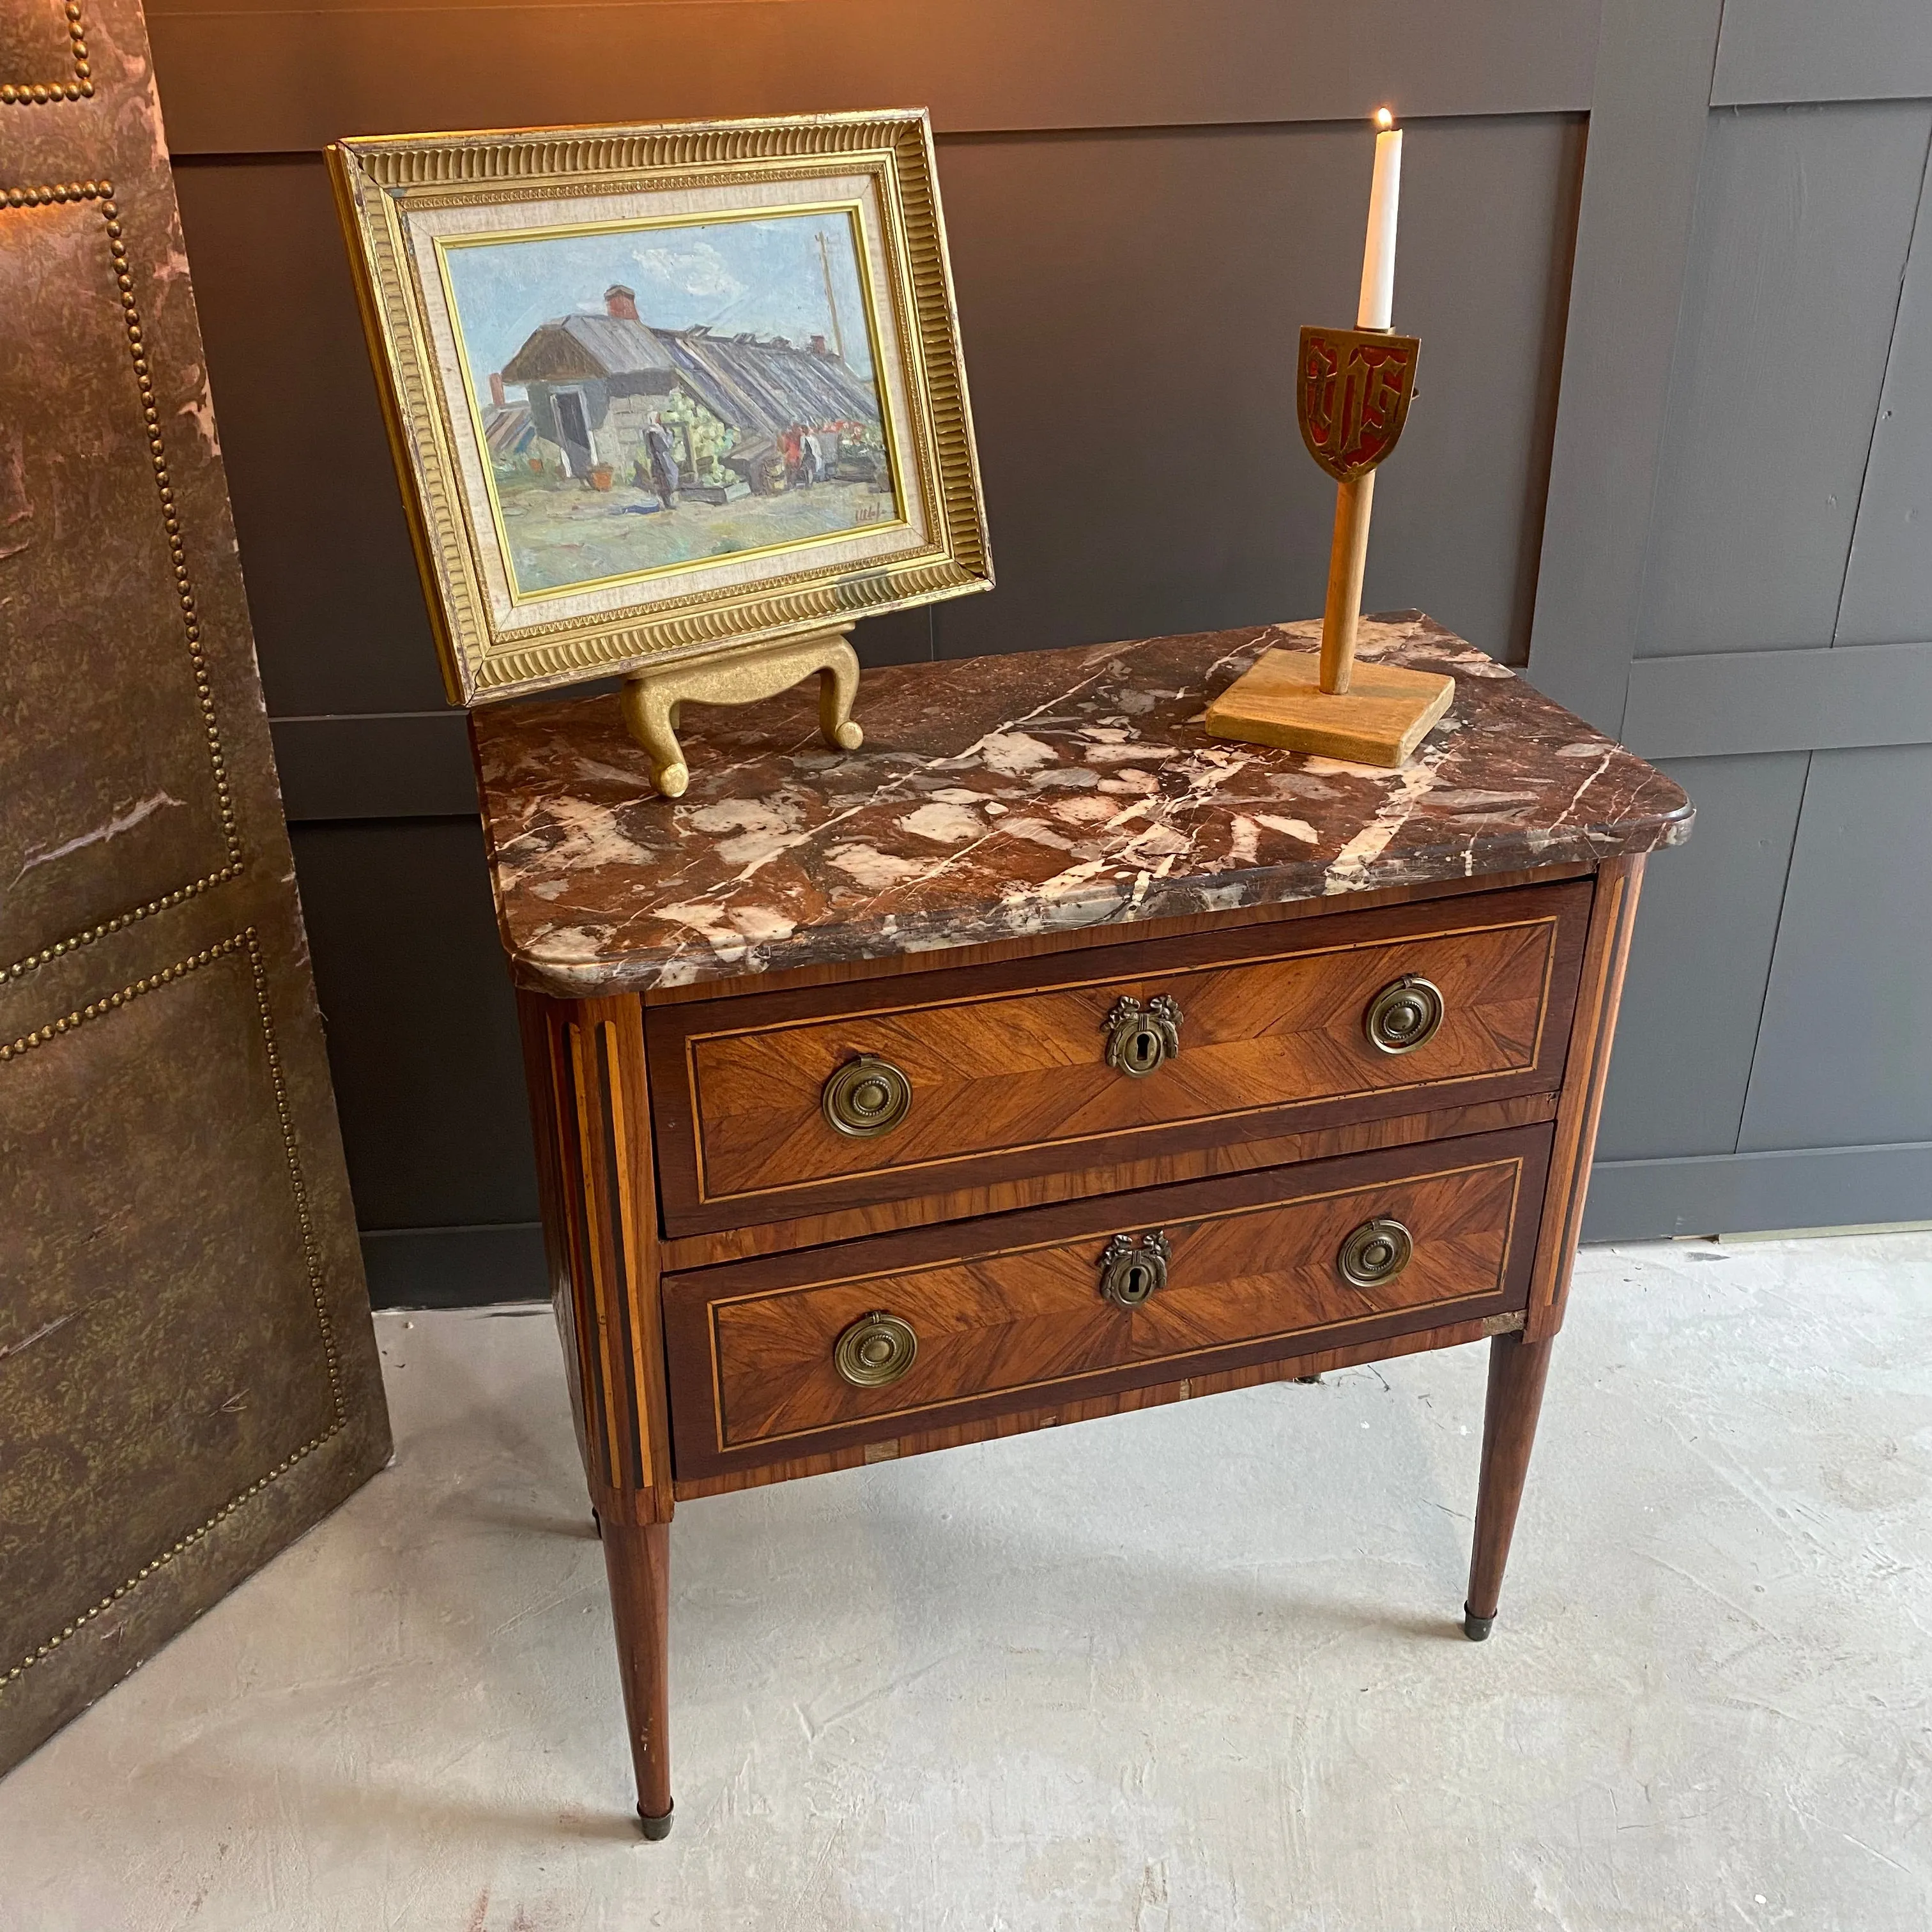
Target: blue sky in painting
<point>762,274</point>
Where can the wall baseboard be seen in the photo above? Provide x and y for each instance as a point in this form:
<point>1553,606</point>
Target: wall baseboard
<point>455,1267</point>
<point>1741,1193</point>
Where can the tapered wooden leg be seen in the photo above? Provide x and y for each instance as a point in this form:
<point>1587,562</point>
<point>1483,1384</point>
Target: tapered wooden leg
<point>590,1107</point>
<point>1517,1372</point>
<point>638,1559</point>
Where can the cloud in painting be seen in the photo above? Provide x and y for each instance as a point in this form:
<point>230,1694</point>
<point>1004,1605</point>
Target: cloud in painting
<point>697,268</point>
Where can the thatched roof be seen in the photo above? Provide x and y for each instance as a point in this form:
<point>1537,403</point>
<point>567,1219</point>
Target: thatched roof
<point>581,348</point>
<point>768,386</point>
<point>758,387</point>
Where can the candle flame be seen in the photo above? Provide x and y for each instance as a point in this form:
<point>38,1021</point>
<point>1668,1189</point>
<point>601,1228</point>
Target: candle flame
<point>1384,120</point>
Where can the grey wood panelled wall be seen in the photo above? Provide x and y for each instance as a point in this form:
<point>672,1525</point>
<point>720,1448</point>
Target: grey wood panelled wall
<point>1750,600</point>
<point>1671,454</point>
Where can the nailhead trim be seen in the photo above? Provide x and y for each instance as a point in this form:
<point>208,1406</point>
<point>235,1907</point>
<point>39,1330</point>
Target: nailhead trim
<point>24,93</point>
<point>246,942</point>
<point>102,194</point>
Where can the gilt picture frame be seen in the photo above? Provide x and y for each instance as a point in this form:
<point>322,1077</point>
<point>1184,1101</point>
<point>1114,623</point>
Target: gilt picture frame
<point>659,393</point>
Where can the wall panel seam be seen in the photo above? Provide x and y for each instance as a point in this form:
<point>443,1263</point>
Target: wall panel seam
<point>1857,1150</point>
<point>1777,935</point>
<point>1884,387</point>
<point>1678,350</point>
<point>964,137</point>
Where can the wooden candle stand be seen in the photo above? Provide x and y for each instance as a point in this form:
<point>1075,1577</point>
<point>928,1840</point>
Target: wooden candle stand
<point>1352,401</point>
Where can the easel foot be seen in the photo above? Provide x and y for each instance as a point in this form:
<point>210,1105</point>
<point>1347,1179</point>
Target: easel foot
<point>651,699</point>
<point>1476,1628</point>
<point>655,1828</point>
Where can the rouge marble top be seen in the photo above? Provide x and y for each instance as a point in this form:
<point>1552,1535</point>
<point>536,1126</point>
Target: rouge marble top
<point>1003,796</point>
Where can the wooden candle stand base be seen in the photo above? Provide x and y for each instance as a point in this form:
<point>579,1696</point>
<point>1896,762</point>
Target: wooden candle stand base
<point>1384,715</point>
<point>651,699</point>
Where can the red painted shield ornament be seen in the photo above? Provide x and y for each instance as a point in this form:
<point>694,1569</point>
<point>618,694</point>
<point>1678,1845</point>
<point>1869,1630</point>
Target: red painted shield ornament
<point>1352,396</point>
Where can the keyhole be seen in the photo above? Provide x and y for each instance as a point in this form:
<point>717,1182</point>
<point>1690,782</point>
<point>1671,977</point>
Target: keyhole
<point>1146,1048</point>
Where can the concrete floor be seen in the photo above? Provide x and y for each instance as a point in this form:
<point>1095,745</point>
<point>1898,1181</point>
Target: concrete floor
<point>1193,1668</point>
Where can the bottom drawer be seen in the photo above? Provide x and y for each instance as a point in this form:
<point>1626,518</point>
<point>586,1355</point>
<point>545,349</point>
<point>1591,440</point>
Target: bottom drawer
<point>792,1355</point>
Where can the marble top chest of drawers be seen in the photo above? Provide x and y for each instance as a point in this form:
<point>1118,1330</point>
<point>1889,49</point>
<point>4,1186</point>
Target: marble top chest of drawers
<point>1047,1058</point>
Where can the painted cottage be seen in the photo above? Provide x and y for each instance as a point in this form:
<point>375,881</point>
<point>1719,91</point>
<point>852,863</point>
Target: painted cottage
<point>594,381</point>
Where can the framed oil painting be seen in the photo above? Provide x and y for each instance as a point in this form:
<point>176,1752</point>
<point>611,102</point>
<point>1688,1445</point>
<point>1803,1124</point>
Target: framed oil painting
<point>656,392</point>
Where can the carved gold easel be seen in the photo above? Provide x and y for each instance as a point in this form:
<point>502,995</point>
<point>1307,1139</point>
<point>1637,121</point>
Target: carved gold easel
<point>1351,400</point>
<point>651,698</point>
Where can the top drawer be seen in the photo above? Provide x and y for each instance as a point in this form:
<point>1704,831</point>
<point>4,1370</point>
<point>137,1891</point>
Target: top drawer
<point>764,1110</point>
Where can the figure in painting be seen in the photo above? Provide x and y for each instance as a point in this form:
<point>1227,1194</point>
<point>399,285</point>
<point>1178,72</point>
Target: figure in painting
<point>661,454</point>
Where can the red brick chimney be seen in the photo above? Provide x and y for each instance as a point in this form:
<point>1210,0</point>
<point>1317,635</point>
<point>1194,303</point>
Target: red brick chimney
<point>621,303</point>
<point>818,345</point>
<point>496,388</point>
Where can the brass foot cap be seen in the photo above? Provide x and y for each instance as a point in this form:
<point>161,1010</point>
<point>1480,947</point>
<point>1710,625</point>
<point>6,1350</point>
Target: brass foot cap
<point>1477,1628</point>
<point>656,1828</point>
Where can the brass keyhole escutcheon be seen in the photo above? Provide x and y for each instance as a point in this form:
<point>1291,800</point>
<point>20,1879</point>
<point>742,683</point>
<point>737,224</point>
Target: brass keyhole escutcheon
<point>1404,1015</point>
<point>867,1096</point>
<point>1130,1272</point>
<point>1377,1252</point>
<point>875,1351</point>
<point>1141,1038</point>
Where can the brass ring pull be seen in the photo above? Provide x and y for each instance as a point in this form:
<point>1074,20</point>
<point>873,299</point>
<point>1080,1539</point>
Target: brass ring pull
<point>1129,1274</point>
<point>875,1351</point>
<point>1404,1015</point>
<point>1141,1038</point>
<point>1377,1252</point>
<point>867,1096</point>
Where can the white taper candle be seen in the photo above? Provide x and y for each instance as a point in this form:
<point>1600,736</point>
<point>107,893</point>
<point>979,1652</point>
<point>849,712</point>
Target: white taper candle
<point>1377,302</point>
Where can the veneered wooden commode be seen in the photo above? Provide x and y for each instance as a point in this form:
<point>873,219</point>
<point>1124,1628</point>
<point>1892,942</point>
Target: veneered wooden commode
<point>1045,1059</point>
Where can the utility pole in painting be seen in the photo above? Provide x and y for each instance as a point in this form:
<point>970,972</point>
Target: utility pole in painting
<point>831,298</point>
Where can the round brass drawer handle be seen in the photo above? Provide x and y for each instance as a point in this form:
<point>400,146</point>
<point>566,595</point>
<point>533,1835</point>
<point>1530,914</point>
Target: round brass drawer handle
<point>1377,1252</point>
<point>1141,1038</point>
<point>867,1096</point>
<point>1404,1015</point>
<point>877,1349</point>
<point>1129,1272</point>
